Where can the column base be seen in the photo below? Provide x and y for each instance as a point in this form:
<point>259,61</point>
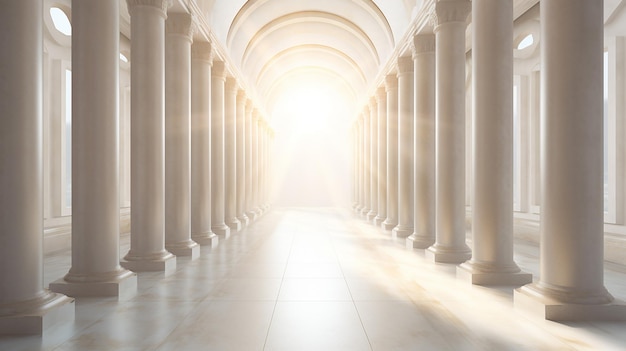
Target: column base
<point>252,216</point>
<point>123,285</point>
<point>36,316</point>
<point>530,302</point>
<point>378,221</point>
<point>165,263</point>
<point>419,242</point>
<point>389,224</point>
<point>358,209</point>
<point>189,249</point>
<point>454,255</point>
<point>222,230</point>
<point>371,215</point>
<point>206,239</point>
<point>473,274</point>
<point>233,224</point>
<point>365,211</point>
<point>244,220</point>
<point>401,232</point>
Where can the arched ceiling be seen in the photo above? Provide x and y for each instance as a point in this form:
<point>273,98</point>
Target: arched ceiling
<point>277,44</point>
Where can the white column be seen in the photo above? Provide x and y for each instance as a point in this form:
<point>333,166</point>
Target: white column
<point>241,158</point>
<point>359,170</point>
<point>202,58</point>
<point>492,207</point>
<point>25,307</point>
<point>218,191</point>
<point>230,154</point>
<point>179,31</point>
<point>367,174</point>
<point>256,120</point>
<point>355,166</point>
<point>262,163</point>
<point>250,213</point>
<point>450,244</point>
<point>381,104</point>
<point>424,144</point>
<point>391,86</point>
<point>571,282</point>
<point>147,240</point>
<point>373,137</point>
<point>405,148</point>
<point>96,269</point>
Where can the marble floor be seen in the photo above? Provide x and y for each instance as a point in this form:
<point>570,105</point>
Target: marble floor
<point>315,279</point>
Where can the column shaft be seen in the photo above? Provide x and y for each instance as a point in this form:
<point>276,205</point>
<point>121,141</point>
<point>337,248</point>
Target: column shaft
<point>147,241</point>
<point>179,31</point>
<point>96,269</point>
<point>391,86</point>
<point>373,160</point>
<point>405,147</point>
<point>241,158</point>
<point>201,145</point>
<point>250,213</point>
<point>230,154</point>
<point>450,244</point>
<point>381,104</point>
<point>571,284</point>
<point>218,191</point>
<point>22,296</point>
<point>255,162</point>
<point>492,202</point>
<point>367,161</point>
<point>359,170</point>
<point>424,144</point>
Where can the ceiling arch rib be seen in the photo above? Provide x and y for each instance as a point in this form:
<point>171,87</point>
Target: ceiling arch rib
<point>305,21</point>
<point>320,34</point>
<point>363,14</point>
<point>312,53</point>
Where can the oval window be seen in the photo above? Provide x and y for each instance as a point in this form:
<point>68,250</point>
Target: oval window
<point>526,42</point>
<point>61,21</point>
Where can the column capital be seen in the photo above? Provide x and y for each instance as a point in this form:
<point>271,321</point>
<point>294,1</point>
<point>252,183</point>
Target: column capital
<point>405,65</point>
<point>391,82</point>
<point>202,50</point>
<point>451,11</point>
<point>373,103</point>
<point>231,85</point>
<point>423,43</point>
<point>161,5</point>
<point>242,96</point>
<point>381,93</point>
<point>249,104</point>
<point>181,24</point>
<point>219,70</point>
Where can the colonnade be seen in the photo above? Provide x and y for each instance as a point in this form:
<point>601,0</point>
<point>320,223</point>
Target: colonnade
<point>416,153</point>
<point>200,155</point>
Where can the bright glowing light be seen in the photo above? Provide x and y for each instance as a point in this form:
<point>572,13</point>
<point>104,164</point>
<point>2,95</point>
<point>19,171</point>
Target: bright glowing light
<point>60,21</point>
<point>312,114</point>
<point>123,57</point>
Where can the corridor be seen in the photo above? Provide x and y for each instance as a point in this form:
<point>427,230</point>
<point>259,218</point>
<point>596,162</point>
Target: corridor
<point>315,279</point>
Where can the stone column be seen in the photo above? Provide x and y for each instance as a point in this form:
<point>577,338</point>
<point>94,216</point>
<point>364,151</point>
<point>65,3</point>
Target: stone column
<point>147,239</point>
<point>96,269</point>
<point>241,158</point>
<point>230,154</point>
<point>571,282</point>
<point>218,192</point>
<point>373,137</point>
<point>359,170</point>
<point>381,104</point>
<point>256,120</point>
<point>492,206</point>
<point>201,61</point>
<point>391,86</point>
<point>179,31</point>
<point>450,26</point>
<point>25,307</point>
<point>355,166</point>
<point>405,148</point>
<point>250,213</point>
<point>424,144</point>
<point>262,163</point>
<point>367,174</point>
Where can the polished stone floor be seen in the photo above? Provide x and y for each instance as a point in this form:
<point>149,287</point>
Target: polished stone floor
<point>315,279</point>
